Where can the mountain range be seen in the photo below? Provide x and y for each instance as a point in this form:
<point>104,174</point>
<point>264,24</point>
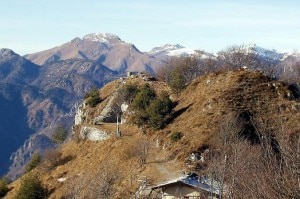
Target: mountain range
<point>105,49</point>
<point>42,90</point>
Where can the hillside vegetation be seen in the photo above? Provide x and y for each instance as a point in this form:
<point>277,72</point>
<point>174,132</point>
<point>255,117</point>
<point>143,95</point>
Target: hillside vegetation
<point>243,116</point>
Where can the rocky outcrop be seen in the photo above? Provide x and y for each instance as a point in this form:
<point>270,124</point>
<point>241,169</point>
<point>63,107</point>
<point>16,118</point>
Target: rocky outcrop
<point>24,153</point>
<point>80,114</point>
<point>93,134</point>
<point>107,114</point>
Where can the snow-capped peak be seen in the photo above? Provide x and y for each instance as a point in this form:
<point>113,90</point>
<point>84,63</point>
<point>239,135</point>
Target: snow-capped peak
<point>171,50</point>
<point>272,54</point>
<point>103,37</point>
<point>171,47</point>
<point>257,50</point>
<point>166,47</point>
<point>292,53</point>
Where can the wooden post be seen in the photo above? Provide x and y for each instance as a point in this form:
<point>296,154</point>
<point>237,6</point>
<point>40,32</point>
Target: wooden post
<point>118,128</point>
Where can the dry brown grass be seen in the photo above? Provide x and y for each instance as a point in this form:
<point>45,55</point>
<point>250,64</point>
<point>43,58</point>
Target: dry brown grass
<point>205,102</point>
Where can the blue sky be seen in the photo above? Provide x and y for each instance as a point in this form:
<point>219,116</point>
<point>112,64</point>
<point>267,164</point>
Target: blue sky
<point>28,26</point>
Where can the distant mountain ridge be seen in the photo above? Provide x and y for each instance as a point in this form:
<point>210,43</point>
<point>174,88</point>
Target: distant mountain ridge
<point>114,53</point>
<point>267,53</point>
<point>16,69</point>
<point>103,48</point>
<point>16,74</point>
<point>171,50</point>
<point>35,99</point>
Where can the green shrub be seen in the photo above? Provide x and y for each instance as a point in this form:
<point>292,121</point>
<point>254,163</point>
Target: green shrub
<point>128,92</point>
<point>149,110</point>
<point>140,118</point>
<point>35,160</point>
<point>176,136</point>
<point>31,188</point>
<point>177,82</point>
<point>60,134</point>
<point>91,93</point>
<point>140,103</point>
<point>92,97</point>
<point>166,104</point>
<point>143,98</point>
<point>3,187</point>
<point>158,111</point>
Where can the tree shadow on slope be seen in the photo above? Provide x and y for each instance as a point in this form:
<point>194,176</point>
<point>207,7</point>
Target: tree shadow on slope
<point>248,130</point>
<point>295,89</point>
<point>177,113</point>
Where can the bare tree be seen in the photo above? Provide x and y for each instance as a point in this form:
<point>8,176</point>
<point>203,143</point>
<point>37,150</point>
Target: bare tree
<point>76,187</point>
<point>269,168</point>
<point>123,96</point>
<point>179,72</point>
<point>209,65</point>
<point>224,161</point>
<point>284,165</point>
<point>51,159</point>
<point>104,183</point>
<point>140,150</point>
<point>236,57</point>
<point>117,112</point>
<point>291,70</point>
<point>101,185</point>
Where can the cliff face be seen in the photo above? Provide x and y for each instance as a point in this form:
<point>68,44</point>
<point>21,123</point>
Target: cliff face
<point>16,74</point>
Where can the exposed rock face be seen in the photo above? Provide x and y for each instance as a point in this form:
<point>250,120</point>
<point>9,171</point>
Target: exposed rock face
<point>37,143</point>
<point>93,134</point>
<point>124,108</point>
<point>79,115</point>
<point>107,114</point>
